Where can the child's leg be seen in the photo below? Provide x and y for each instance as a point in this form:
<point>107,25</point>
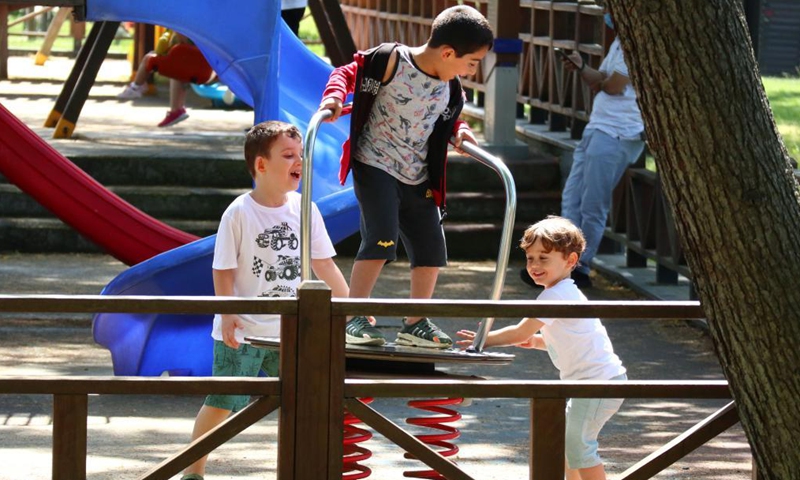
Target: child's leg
<point>245,361</point>
<point>364,276</point>
<point>423,282</point>
<point>207,418</point>
<point>143,72</point>
<point>177,95</point>
<point>585,418</point>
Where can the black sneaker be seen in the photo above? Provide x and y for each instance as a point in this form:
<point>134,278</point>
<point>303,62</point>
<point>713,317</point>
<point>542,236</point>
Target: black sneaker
<point>526,278</point>
<point>359,331</point>
<point>581,279</point>
<point>423,334</point>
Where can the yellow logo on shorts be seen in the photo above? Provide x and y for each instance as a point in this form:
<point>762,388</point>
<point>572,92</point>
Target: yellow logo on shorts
<point>384,244</point>
<point>428,193</point>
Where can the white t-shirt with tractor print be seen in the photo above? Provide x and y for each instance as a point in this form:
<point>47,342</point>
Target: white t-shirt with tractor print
<point>263,245</point>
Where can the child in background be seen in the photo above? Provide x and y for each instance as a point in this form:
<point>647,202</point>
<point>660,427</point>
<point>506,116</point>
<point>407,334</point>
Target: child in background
<point>405,109</point>
<point>257,255</point>
<point>178,59</point>
<point>579,347</point>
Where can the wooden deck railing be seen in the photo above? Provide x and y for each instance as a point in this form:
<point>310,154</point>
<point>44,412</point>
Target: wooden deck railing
<point>312,350</point>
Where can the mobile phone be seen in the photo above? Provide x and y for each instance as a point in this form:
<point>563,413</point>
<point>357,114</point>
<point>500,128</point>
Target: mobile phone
<point>561,53</point>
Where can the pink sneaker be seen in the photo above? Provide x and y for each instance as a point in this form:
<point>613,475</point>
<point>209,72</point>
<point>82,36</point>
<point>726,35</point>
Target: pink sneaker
<point>173,117</point>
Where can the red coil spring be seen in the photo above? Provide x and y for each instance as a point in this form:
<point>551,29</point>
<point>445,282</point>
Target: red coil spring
<point>353,452</point>
<point>440,440</point>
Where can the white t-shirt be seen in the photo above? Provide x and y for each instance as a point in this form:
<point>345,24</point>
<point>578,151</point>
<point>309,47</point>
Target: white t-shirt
<point>579,347</point>
<point>616,115</point>
<point>289,4</point>
<point>263,245</point>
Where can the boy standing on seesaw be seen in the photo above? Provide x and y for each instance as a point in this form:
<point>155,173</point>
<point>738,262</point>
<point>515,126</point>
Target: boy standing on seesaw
<point>405,109</point>
<point>257,254</point>
<point>579,347</point>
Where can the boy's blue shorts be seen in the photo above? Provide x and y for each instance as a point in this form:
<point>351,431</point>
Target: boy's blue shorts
<point>392,210</point>
<point>585,419</point>
<point>246,361</point>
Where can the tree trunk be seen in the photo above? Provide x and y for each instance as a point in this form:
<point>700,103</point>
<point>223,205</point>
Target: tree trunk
<point>727,177</point>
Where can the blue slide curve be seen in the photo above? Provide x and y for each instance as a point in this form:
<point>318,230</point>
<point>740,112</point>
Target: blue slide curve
<point>265,65</point>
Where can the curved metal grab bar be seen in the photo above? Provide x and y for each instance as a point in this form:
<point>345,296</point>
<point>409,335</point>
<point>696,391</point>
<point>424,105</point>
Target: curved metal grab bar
<point>504,252</point>
<point>475,152</point>
<point>305,190</point>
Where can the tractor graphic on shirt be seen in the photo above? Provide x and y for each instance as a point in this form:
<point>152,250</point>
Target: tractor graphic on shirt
<point>286,268</point>
<point>278,237</point>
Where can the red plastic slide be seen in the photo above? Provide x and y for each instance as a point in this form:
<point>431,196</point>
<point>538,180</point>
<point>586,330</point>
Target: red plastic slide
<point>78,200</point>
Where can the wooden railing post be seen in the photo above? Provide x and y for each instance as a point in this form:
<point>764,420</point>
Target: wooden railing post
<point>4,10</point>
<point>548,422</point>
<point>312,375</point>
<point>69,436</point>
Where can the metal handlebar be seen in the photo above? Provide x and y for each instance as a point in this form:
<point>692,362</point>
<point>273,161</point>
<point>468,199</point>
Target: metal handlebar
<point>504,252</point>
<point>475,152</point>
<point>305,202</point>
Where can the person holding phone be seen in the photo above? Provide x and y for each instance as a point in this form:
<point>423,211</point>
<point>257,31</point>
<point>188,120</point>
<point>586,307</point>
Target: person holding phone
<point>612,141</point>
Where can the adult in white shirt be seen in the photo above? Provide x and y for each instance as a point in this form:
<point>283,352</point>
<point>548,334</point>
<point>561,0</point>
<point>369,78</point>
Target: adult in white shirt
<point>612,141</point>
<point>292,12</point>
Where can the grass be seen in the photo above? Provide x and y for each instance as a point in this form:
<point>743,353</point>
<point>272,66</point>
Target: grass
<point>784,99</point>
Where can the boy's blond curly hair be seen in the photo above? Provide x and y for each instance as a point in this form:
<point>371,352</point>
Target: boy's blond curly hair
<point>556,233</point>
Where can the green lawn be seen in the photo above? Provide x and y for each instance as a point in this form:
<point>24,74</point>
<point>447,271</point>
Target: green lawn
<point>784,98</point>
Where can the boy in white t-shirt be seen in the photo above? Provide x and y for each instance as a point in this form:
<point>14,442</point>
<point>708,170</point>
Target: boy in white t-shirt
<point>579,347</point>
<point>257,254</point>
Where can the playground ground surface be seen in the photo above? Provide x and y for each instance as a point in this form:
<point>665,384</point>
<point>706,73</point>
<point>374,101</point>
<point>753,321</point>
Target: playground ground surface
<point>130,434</point>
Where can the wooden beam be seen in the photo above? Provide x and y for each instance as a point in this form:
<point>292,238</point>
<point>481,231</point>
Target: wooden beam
<point>683,444</point>
<point>215,437</point>
<point>404,440</point>
<point>3,41</point>
<point>52,33</point>
<point>139,385</point>
<point>333,31</point>
<point>359,388</point>
<point>70,414</point>
<point>548,423</point>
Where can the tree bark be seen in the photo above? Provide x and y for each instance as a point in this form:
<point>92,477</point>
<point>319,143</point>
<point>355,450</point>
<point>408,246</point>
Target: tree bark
<point>728,179</point>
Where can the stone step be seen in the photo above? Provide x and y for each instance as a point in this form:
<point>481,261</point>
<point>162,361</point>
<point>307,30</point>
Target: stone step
<point>491,206</point>
<point>185,203</point>
<point>41,235</point>
<point>538,173</point>
<point>153,170</point>
<point>465,240</point>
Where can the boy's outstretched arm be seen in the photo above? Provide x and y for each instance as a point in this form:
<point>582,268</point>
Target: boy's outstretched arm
<point>519,334</point>
<point>326,270</point>
<point>223,286</point>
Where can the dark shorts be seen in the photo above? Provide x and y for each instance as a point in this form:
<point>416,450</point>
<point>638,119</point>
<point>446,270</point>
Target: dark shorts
<point>392,210</point>
<point>246,361</point>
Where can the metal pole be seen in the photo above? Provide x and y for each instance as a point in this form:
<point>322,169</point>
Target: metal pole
<point>305,202</point>
<point>502,170</point>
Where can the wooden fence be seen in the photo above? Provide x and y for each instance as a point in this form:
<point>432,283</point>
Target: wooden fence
<point>311,410</point>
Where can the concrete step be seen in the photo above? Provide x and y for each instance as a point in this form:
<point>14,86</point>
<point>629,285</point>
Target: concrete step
<point>491,206</point>
<point>465,240</point>
<point>538,173</point>
<point>42,235</point>
<point>176,202</point>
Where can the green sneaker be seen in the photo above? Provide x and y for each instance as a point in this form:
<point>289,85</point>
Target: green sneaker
<point>423,334</point>
<point>359,331</point>
<point>192,476</point>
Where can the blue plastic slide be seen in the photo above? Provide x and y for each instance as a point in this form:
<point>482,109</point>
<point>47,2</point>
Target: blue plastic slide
<point>266,66</point>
